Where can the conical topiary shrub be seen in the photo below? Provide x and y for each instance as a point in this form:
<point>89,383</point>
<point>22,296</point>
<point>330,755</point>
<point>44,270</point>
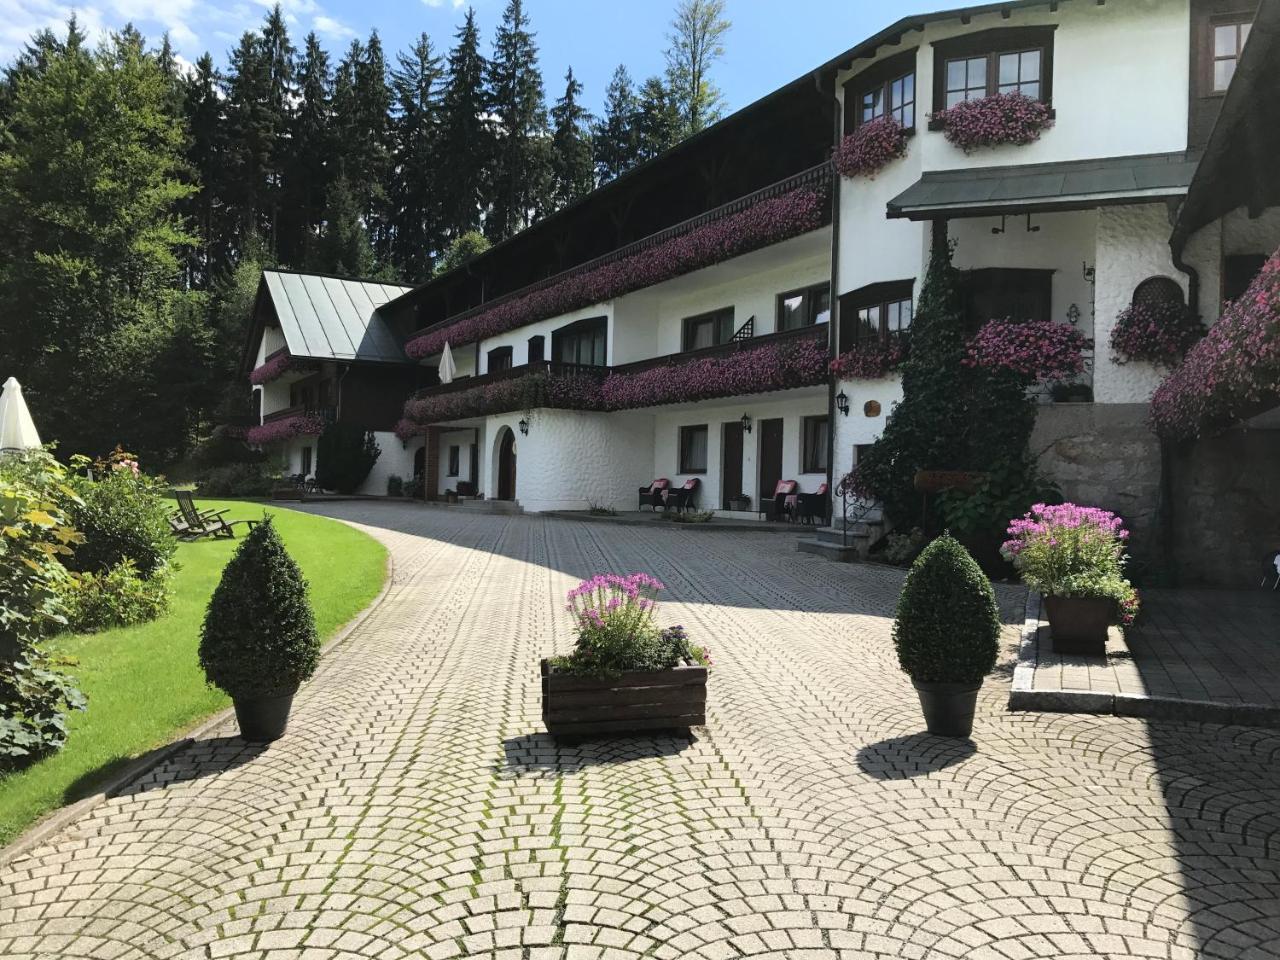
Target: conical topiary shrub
<point>259,638</point>
<point>947,633</point>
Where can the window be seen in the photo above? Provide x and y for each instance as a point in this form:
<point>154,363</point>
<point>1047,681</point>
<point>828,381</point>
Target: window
<point>875,313</point>
<point>814,452</point>
<point>1003,60</point>
<point>1158,290</point>
<point>500,358</point>
<point>1238,271</point>
<point>537,349</point>
<point>583,342</point>
<point>804,308</point>
<point>1007,293</point>
<point>708,329</point>
<point>888,86</point>
<point>693,449</point>
<point>454,454</point>
<point>1228,43</point>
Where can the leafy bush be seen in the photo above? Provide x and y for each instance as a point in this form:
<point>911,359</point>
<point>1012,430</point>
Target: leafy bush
<point>118,597</point>
<point>947,628</point>
<point>902,548</point>
<point>613,617</point>
<point>225,446</point>
<point>599,510</point>
<point>344,456</point>
<point>395,485</point>
<point>237,480</point>
<point>259,633</point>
<point>124,515</point>
<point>35,698</point>
<point>692,516</point>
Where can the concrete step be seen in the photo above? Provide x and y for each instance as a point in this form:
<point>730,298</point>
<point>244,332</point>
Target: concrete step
<point>857,531</point>
<point>491,506</point>
<point>831,551</point>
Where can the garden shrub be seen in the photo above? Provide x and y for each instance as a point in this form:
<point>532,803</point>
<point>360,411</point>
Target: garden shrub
<point>237,480</point>
<point>345,454</point>
<point>123,515</point>
<point>259,633</point>
<point>900,549</point>
<point>947,627</point>
<point>118,597</point>
<point>35,698</point>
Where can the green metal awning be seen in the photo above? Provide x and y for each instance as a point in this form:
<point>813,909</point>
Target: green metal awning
<point>1032,188</point>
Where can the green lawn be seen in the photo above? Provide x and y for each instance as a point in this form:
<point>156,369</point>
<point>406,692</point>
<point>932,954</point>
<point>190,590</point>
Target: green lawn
<point>144,683</point>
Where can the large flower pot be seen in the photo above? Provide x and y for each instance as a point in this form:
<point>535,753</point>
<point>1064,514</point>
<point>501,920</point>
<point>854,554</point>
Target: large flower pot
<point>263,719</point>
<point>948,707</point>
<point>630,702</point>
<point>1078,625</point>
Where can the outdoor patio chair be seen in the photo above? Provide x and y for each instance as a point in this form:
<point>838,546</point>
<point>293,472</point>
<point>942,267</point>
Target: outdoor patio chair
<point>191,522</point>
<point>813,506</point>
<point>783,502</point>
<point>681,498</point>
<point>654,495</point>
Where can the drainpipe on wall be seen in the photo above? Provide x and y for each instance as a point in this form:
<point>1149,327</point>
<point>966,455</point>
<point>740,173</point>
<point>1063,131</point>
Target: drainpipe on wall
<point>833,300</point>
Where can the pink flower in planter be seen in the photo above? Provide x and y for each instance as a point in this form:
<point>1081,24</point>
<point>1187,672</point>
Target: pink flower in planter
<point>990,121</point>
<point>276,366</point>
<point>765,223</point>
<point>1040,350</point>
<point>1161,332</point>
<point>871,147</point>
<point>298,425</point>
<point>870,361</point>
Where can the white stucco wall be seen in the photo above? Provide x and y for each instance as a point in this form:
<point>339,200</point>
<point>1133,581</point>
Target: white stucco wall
<point>394,460</point>
<point>518,339</point>
<point>272,340</point>
<point>462,439</point>
<point>858,428</point>
<point>1236,233</point>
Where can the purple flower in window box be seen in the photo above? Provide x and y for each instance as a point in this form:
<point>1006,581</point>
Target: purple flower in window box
<point>1159,332</point>
<point>1001,118</point>
<point>1037,350</point>
<point>870,361</point>
<point>298,425</point>
<point>276,366</point>
<point>871,147</point>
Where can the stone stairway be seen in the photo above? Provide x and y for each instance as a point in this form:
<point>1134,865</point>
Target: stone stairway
<point>470,505</point>
<point>863,534</point>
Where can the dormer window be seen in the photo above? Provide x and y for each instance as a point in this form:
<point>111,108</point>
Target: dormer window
<point>1003,60</point>
<point>1228,43</point>
<point>887,87</point>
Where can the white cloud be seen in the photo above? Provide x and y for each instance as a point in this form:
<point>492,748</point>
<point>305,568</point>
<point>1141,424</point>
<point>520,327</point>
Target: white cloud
<point>332,28</point>
<point>456,4</point>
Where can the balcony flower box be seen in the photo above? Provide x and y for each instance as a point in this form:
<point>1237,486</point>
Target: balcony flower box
<point>1038,351</point>
<point>633,700</point>
<point>1003,118</point>
<point>870,361</point>
<point>871,147</point>
<point>1159,332</point>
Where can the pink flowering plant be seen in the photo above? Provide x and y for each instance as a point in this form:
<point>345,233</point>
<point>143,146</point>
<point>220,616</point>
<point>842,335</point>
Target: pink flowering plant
<point>273,431</point>
<point>1002,118</point>
<point>1230,374</point>
<point>613,617</point>
<point>1068,550</point>
<point>1039,351</point>
<point>276,366</point>
<point>871,147</point>
<point>764,223</point>
<point>870,361</point>
<point>1159,332</point>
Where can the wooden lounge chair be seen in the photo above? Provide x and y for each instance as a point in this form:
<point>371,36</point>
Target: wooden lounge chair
<point>654,495</point>
<point>191,523</point>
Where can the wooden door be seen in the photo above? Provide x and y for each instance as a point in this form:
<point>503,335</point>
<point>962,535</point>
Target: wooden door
<point>731,466</point>
<point>770,458</point>
<point>507,467</point>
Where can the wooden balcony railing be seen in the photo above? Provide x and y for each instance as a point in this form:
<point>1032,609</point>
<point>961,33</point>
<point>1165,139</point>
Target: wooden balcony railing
<point>818,177</point>
<point>554,368</point>
<point>324,413</point>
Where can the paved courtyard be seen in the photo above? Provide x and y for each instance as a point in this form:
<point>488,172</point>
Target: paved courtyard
<point>415,810</point>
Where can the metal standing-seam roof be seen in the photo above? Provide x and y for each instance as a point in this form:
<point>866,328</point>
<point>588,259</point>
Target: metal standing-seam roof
<point>1045,186</point>
<point>329,318</point>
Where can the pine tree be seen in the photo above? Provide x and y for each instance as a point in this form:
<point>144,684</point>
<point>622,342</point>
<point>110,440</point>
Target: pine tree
<point>307,166</point>
<point>251,133</point>
<point>415,201</point>
<point>521,155</point>
<point>206,209</point>
<point>696,43</point>
<point>657,126</point>
<point>465,140</point>
<point>362,142</point>
<point>614,137</point>
<point>572,170</point>
<point>344,248</point>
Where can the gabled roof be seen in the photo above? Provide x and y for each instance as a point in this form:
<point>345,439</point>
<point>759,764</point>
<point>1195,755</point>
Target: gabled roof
<point>1045,186</point>
<point>330,318</point>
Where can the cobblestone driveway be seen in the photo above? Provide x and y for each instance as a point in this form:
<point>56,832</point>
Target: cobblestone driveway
<point>416,811</point>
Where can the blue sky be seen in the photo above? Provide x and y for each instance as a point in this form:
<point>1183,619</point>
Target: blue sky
<point>772,41</point>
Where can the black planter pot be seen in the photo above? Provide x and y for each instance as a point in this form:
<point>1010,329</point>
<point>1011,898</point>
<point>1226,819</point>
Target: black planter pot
<point>263,719</point>
<point>948,707</point>
<point>1078,625</point>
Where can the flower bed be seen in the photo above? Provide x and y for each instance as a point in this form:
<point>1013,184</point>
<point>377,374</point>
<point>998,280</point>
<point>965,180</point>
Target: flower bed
<point>767,222</point>
<point>760,370</point>
<point>1038,350</point>
<point>1230,373</point>
<point>1161,332</point>
<point>298,425</point>
<point>871,147</point>
<point>1003,118</point>
<point>869,361</point>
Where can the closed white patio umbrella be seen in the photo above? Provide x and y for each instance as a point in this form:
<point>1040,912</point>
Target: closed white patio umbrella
<point>447,369</point>
<point>17,429</point>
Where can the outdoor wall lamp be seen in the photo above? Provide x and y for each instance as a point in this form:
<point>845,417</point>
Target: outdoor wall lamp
<point>746,423</point>
<point>842,402</point>
<point>524,427</point>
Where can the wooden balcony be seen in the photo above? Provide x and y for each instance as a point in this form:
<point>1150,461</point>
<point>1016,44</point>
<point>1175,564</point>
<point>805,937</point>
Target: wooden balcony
<point>326,414</point>
<point>549,367</point>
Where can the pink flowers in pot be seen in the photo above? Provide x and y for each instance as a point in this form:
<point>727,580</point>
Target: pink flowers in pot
<point>870,361</point>
<point>276,366</point>
<point>1038,350</point>
<point>298,425</point>
<point>871,147</point>
<point>1001,118</point>
<point>1233,371</point>
<point>1159,332</point>
<point>760,225</point>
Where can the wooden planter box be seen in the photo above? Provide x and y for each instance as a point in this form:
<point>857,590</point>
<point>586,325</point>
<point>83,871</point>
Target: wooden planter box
<point>582,706</point>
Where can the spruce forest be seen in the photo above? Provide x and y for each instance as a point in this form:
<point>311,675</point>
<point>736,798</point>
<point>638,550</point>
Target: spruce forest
<point>140,200</point>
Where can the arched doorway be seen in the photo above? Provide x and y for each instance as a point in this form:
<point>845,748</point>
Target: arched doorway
<point>507,465</point>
